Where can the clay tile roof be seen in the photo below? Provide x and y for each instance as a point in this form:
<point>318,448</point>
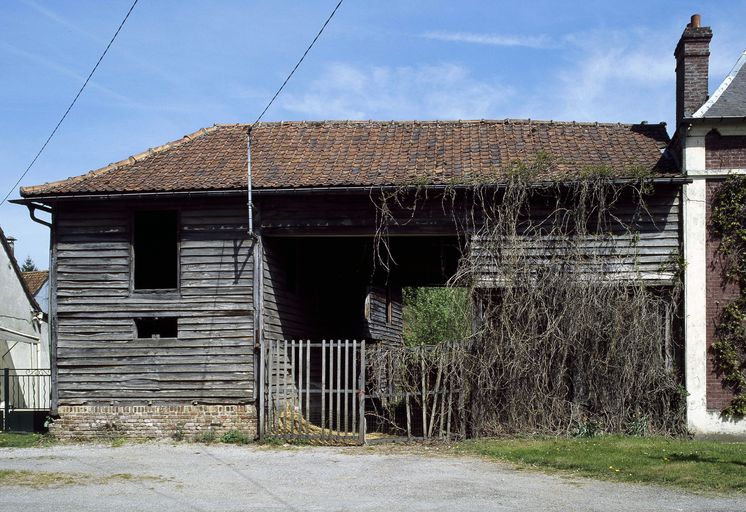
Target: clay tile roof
<point>372,153</point>
<point>35,280</point>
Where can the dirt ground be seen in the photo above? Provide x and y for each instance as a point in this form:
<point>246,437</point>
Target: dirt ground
<point>181,477</point>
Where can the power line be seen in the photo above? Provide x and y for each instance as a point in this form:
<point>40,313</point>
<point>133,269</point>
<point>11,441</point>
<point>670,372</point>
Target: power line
<point>73,103</point>
<point>297,64</point>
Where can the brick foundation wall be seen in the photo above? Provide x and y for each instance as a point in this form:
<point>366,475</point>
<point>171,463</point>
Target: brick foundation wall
<point>159,422</point>
<point>719,294</point>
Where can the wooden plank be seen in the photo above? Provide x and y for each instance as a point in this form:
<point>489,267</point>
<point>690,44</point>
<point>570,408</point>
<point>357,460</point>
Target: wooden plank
<point>262,385</point>
<point>355,390</point>
<point>308,386</point>
<point>115,369</point>
<point>323,386</point>
<point>338,396</point>
<point>298,395</point>
<point>361,387</point>
<point>346,385</point>
<point>159,376</point>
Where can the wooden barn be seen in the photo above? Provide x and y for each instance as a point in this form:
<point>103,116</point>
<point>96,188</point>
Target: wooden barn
<point>162,291</point>
<point>172,268</point>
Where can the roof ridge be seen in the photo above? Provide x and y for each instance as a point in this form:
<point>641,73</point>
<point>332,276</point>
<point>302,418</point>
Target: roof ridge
<point>127,161</point>
<point>440,121</point>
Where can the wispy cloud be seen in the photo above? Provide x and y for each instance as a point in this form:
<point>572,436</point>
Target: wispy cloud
<point>62,70</point>
<point>537,42</point>
<point>151,69</point>
<point>445,91</point>
<point>116,99</point>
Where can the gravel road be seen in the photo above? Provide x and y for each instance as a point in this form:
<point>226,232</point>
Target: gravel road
<point>165,477</point>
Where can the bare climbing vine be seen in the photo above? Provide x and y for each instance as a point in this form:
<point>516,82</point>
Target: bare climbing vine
<point>573,336</point>
<point>729,350</point>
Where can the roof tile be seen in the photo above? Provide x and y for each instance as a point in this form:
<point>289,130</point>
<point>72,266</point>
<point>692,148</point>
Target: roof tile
<point>371,153</point>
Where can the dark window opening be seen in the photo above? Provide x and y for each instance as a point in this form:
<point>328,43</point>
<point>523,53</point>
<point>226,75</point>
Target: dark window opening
<point>156,327</point>
<point>156,251</point>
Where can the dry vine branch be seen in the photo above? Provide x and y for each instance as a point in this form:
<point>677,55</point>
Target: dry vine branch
<point>572,337</point>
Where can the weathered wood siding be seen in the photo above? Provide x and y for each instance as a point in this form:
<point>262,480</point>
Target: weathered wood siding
<point>354,214</point>
<point>99,359</point>
<point>642,243</point>
<point>377,324</point>
<point>287,315</point>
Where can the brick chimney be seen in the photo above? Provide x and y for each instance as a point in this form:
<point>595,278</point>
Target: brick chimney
<point>692,68</point>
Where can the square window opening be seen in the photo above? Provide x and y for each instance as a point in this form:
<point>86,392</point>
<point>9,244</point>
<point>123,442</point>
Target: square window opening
<point>156,250</point>
<point>156,327</point>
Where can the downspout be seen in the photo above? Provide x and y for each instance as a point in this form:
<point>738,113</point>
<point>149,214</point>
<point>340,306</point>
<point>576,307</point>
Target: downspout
<point>52,314</point>
<point>248,180</point>
<point>32,213</point>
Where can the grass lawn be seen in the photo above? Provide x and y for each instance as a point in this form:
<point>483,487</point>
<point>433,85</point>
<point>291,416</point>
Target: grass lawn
<point>708,466</point>
<point>12,440</point>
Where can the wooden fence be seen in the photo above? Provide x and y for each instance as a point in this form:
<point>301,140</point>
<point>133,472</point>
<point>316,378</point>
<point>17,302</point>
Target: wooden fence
<point>312,390</point>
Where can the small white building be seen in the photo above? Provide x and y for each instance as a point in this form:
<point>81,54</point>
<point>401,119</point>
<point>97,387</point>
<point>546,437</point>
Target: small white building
<point>24,334</point>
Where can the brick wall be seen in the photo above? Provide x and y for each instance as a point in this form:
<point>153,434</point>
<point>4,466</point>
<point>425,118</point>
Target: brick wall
<point>719,294</point>
<point>92,422</point>
<point>727,152</point>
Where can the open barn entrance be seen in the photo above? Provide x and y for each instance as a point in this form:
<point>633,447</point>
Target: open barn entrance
<point>326,301</point>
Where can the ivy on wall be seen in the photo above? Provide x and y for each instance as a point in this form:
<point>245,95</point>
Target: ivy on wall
<point>729,350</point>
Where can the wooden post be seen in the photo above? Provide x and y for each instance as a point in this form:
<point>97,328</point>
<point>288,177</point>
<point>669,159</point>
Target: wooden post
<point>330,383</point>
<point>291,392</point>
<point>435,398</point>
<point>361,393</point>
<point>278,370</point>
<point>6,396</point>
<point>462,403</point>
<point>409,416</point>
<point>339,385</point>
<point>262,361</point>
<point>308,386</point>
<point>257,319</point>
<point>323,386</point>
<point>347,384</point>
<point>423,391</point>
<point>354,383</point>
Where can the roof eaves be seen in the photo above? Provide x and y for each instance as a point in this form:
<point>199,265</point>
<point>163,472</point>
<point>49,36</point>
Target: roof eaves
<point>702,112</point>
<point>27,191</point>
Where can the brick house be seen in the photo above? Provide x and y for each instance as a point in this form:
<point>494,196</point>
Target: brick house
<point>711,135</point>
<point>163,283</point>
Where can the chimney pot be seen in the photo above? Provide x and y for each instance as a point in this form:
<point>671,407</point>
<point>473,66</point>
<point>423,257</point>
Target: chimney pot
<point>696,21</point>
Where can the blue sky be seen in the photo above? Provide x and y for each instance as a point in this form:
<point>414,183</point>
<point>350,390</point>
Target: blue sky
<point>181,65</point>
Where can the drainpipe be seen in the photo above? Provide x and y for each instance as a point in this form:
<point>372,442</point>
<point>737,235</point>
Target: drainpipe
<point>248,179</point>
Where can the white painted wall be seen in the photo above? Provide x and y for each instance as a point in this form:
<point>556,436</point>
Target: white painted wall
<point>30,348</point>
<point>700,420</point>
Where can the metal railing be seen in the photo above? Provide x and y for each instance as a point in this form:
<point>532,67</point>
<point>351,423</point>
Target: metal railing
<point>25,389</point>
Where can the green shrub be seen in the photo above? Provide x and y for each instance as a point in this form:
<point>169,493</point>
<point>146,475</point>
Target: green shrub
<point>208,436</point>
<point>235,437</point>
